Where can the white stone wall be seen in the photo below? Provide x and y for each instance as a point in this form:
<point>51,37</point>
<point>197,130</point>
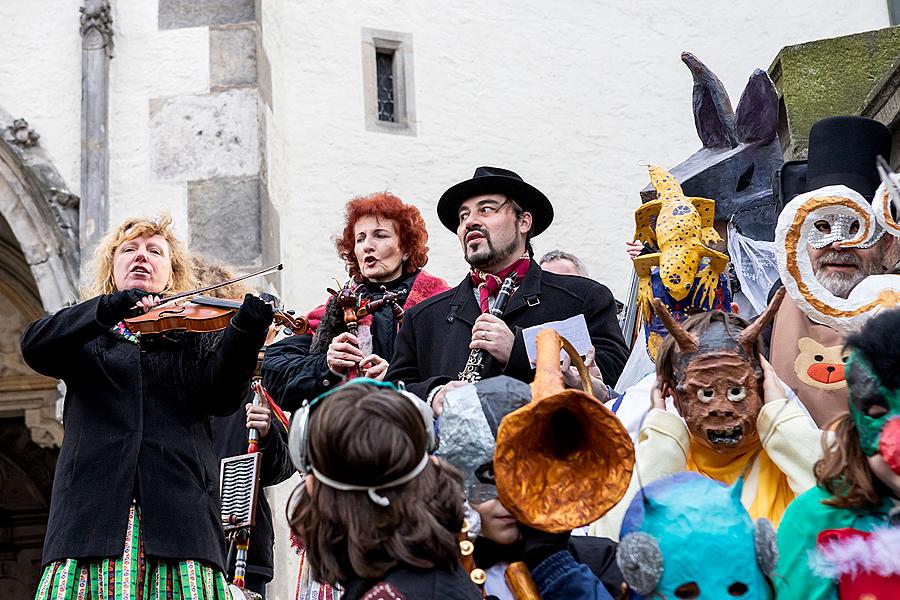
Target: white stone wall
<point>41,74</point>
<point>574,96</point>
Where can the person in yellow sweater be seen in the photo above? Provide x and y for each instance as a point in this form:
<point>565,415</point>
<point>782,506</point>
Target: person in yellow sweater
<point>732,417</point>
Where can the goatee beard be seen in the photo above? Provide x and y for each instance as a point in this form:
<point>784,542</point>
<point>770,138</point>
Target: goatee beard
<point>490,256</point>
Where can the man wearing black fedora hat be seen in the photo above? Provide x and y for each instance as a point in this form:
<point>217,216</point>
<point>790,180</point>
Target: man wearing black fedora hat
<point>808,355</point>
<point>495,214</point>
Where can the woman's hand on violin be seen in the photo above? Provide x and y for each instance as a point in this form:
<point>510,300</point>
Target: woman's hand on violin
<point>145,304</point>
<point>343,353</point>
<point>119,305</point>
<point>374,367</point>
<point>255,314</point>
<point>259,417</point>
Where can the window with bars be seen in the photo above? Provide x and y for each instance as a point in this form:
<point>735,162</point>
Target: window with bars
<point>388,81</point>
<point>384,74</point>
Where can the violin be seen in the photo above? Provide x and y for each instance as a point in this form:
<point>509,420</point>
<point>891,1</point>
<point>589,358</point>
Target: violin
<point>202,313</point>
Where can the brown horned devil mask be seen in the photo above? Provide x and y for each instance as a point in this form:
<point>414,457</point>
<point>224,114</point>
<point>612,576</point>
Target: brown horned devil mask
<point>711,365</point>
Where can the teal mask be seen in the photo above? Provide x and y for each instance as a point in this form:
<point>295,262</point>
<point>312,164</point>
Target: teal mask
<point>866,391</point>
<point>688,536</point>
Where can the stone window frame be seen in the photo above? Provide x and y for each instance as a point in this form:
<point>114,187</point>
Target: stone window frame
<point>401,46</point>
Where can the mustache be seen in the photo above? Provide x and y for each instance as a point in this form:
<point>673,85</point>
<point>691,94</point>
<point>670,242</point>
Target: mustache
<point>834,257</point>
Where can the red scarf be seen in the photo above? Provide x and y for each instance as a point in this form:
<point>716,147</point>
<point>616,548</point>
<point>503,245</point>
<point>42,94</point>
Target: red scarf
<point>489,284</point>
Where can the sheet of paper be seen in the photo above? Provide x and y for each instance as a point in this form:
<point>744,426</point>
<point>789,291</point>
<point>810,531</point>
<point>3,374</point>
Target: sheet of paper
<point>573,329</point>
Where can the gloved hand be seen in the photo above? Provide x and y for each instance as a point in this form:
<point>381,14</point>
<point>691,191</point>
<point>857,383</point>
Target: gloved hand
<point>255,314</point>
<point>118,305</point>
<point>540,545</point>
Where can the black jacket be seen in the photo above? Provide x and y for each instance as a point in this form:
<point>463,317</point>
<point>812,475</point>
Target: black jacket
<point>136,427</point>
<point>433,344</point>
<point>292,374</point>
<point>230,439</point>
<point>421,584</point>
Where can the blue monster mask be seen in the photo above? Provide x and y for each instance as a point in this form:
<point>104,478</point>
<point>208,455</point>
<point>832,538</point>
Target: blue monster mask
<point>688,536</point>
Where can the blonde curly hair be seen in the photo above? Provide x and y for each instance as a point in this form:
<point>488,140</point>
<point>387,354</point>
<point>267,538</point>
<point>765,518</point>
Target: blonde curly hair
<point>103,280</point>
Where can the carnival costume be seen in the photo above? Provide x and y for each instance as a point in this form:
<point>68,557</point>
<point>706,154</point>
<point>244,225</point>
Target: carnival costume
<point>692,282</point>
<point>402,581</point>
<point>774,444</point>
<point>686,536</point>
<point>833,187</point>
<point>831,552</point>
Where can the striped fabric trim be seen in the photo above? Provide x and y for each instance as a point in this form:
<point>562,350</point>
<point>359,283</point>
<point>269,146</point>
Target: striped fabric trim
<point>132,576</point>
<point>310,589</point>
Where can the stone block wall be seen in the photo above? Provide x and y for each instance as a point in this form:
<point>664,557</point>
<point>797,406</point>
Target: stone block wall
<point>828,77</point>
<point>214,141</point>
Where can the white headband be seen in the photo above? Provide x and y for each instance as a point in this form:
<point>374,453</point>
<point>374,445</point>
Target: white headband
<point>374,497</point>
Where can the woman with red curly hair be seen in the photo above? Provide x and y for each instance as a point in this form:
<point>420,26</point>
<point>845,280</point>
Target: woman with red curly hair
<point>384,245</point>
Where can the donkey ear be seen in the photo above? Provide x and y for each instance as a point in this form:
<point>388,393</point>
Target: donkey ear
<point>766,542</point>
<point>756,119</point>
<point>713,115</point>
<point>641,562</point>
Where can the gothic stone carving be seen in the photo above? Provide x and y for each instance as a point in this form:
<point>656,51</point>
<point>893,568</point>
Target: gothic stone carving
<point>21,134</point>
<point>96,24</point>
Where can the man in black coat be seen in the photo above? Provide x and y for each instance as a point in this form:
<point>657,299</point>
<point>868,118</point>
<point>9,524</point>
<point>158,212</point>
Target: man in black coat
<point>495,214</point>
<point>230,439</point>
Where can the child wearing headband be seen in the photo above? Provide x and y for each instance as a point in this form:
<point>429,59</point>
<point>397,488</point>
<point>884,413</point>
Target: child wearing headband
<point>378,516</point>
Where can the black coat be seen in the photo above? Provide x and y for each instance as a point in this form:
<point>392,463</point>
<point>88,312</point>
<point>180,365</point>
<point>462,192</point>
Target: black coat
<point>293,374</point>
<point>420,584</point>
<point>230,439</point>
<point>433,344</point>
<point>136,427</point>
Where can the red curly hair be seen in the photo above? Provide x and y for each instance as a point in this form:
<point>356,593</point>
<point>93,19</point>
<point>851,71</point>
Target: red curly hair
<point>407,220</point>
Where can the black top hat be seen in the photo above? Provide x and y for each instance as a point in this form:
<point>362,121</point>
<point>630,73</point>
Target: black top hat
<point>842,151</point>
<point>494,180</point>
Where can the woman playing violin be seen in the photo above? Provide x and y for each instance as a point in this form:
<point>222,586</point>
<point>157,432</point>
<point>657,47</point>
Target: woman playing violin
<point>383,244</point>
<point>134,507</point>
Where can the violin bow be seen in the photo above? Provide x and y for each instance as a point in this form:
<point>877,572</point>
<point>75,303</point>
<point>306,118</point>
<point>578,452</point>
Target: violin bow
<point>216,286</point>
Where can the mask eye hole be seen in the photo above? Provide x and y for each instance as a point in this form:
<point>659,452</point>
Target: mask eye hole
<point>736,393</point>
<point>737,589</point>
<point>688,590</point>
<point>876,411</point>
<point>854,228</point>
<point>823,226</point>
<point>705,395</point>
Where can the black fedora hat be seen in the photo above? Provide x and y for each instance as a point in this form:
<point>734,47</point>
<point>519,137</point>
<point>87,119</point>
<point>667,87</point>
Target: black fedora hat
<point>842,151</point>
<point>494,180</point>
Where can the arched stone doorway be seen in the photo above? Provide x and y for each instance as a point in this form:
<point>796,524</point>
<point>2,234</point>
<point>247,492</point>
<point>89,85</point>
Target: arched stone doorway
<point>39,266</point>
